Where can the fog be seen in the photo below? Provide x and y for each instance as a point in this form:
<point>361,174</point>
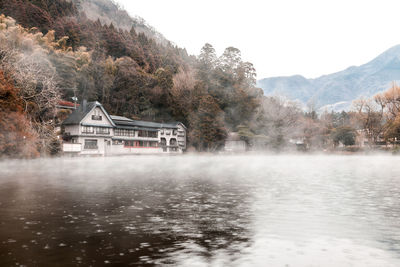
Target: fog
<point>207,210</point>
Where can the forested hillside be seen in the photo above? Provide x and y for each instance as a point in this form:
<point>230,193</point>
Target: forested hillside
<point>51,50</point>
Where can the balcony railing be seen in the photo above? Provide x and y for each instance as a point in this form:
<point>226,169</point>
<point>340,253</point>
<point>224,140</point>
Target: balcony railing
<point>97,132</point>
<point>103,132</point>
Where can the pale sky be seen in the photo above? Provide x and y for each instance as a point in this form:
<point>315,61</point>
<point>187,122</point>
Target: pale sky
<point>281,37</point>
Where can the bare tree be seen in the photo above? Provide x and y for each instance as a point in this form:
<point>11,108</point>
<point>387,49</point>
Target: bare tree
<point>24,58</point>
<point>277,120</point>
<point>370,116</point>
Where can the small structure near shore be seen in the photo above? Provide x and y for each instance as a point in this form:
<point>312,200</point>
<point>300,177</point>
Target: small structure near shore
<point>90,130</point>
<point>234,144</point>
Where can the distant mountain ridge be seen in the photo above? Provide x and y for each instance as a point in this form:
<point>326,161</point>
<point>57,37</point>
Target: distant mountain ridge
<point>337,90</point>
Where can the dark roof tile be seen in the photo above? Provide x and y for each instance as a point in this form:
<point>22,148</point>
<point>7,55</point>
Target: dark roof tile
<point>78,114</point>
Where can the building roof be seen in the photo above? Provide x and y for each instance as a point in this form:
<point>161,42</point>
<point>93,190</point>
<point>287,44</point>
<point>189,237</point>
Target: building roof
<point>124,121</point>
<point>80,113</point>
<point>121,122</point>
<point>134,123</point>
<point>119,118</point>
<point>173,124</point>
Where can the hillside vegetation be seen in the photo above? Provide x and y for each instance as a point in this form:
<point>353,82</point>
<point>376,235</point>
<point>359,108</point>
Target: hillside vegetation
<point>52,50</point>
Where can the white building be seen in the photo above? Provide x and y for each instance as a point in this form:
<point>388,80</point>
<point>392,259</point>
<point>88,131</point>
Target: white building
<point>90,130</point>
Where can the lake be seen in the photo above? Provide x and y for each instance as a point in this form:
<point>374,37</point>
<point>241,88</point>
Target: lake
<point>233,210</point>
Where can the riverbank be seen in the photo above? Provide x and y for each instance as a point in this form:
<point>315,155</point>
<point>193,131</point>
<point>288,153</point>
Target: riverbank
<point>279,154</point>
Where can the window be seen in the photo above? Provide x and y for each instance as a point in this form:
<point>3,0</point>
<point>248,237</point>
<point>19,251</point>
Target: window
<point>142,133</point>
<point>91,130</point>
<point>153,134</point>
<point>153,144</point>
<point>101,130</point>
<point>88,130</point>
<point>118,142</point>
<point>139,144</point>
<point>124,132</point>
<point>90,144</point>
<point>172,142</point>
<point>162,131</point>
<point>97,115</point>
<point>174,132</point>
<point>163,142</point>
<point>129,143</point>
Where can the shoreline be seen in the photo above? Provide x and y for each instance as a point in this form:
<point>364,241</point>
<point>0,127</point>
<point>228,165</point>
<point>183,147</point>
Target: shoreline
<point>228,154</point>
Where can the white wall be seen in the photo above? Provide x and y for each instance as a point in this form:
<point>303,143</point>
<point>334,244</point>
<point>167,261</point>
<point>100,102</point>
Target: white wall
<point>121,150</point>
<point>100,146</point>
<point>183,138</point>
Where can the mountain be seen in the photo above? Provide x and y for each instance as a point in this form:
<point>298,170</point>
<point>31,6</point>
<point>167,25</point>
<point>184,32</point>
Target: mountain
<point>99,52</point>
<point>108,11</point>
<point>336,91</point>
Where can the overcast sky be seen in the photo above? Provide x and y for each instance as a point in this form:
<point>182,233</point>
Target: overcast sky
<point>281,37</point>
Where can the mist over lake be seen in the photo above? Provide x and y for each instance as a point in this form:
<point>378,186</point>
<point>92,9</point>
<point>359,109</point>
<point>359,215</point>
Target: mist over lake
<point>201,211</point>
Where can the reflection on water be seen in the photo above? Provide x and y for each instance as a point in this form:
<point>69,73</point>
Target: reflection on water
<point>201,211</point>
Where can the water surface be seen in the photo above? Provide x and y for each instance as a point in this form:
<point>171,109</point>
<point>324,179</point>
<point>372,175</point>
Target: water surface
<point>201,211</point>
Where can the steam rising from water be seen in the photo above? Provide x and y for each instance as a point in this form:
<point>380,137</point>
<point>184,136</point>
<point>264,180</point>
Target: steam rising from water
<point>201,211</point>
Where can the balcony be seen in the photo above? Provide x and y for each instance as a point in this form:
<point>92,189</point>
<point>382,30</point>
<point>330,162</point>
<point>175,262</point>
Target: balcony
<point>72,148</point>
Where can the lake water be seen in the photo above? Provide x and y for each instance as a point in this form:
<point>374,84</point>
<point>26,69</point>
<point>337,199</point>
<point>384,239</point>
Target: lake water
<point>201,211</point>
